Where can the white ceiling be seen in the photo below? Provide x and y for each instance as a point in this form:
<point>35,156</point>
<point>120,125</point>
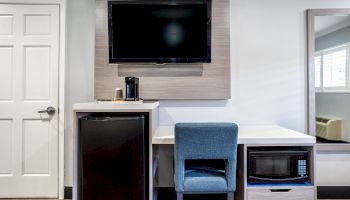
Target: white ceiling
<point>328,24</point>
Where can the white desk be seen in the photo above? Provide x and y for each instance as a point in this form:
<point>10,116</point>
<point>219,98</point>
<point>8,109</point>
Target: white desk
<point>260,135</point>
<point>265,134</point>
<point>248,136</point>
<point>162,138</point>
<point>122,106</point>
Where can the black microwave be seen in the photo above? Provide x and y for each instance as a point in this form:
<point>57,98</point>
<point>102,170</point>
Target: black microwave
<point>271,165</point>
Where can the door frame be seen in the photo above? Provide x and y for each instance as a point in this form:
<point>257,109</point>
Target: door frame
<point>61,80</point>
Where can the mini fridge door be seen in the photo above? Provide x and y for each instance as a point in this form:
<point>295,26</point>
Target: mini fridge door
<point>112,158</point>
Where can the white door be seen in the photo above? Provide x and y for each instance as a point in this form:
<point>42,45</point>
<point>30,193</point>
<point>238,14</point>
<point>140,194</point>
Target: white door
<point>29,43</point>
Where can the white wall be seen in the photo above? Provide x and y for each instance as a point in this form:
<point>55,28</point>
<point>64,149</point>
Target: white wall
<point>268,48</point>
<point>80,67</point>
<point>333,169</point>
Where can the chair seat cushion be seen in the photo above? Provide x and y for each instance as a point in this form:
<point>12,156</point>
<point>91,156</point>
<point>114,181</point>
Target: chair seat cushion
<point>204,181</point>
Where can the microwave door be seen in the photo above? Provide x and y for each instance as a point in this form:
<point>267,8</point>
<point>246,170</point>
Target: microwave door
<point>273,166</point>
<point>276,168</point>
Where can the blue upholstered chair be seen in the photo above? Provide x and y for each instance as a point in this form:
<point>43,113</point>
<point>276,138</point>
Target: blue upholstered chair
<point>205,141</point>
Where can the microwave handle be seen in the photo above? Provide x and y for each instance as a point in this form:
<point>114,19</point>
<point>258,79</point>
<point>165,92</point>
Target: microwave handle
<point>273,179</point>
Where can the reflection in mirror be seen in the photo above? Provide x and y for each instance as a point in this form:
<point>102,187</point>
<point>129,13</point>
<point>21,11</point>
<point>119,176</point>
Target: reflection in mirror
<point>331,66</point>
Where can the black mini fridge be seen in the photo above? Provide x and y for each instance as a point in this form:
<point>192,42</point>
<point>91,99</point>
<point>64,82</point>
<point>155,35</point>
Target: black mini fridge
<point>112,158</point>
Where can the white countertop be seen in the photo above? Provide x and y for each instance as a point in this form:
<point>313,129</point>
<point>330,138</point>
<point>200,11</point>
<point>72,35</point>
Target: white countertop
<point>271,134</point>
<point>247,135</point>
<point>125,106</point>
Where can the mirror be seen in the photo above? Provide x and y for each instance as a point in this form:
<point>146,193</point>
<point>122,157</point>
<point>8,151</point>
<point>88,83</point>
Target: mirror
<point>329,75</point>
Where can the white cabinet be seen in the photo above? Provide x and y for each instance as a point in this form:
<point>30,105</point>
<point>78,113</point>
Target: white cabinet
<point>246,191</point>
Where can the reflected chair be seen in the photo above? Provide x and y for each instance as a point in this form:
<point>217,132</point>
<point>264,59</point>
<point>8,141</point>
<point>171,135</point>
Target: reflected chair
<point>205,142</point>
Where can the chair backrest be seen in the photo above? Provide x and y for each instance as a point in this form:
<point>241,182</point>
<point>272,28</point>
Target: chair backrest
<point>205,140</point>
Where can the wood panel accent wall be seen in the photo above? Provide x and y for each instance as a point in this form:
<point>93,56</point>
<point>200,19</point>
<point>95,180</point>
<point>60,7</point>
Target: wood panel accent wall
<point>179,81</point>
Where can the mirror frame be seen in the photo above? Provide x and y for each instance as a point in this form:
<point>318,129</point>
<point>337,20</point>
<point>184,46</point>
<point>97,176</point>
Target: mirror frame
<point>311,92</point>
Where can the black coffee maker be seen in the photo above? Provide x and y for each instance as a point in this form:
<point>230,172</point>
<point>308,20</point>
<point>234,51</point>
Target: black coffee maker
<point>132,89</point>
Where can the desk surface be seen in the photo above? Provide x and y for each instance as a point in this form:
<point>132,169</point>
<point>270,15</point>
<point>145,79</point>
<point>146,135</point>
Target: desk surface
<point>247,135</point>
<point>123,106</point>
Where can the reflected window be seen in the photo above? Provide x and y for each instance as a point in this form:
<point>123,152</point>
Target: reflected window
<point>331,69</point>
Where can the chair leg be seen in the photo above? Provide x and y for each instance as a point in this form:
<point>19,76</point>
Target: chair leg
<point>230,196</point>
<point>180,196</point>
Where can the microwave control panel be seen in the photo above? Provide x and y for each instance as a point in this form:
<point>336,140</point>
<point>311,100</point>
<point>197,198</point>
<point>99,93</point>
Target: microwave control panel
<point>301,167</point>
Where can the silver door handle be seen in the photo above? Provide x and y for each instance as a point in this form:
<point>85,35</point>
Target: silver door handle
<point>49,110</point>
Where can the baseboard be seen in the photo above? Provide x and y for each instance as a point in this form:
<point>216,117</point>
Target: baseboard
<point>68,192</point>
<point>333,192</point>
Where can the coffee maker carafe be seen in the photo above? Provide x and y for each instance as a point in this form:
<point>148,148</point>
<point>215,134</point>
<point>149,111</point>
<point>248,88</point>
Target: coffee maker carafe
<point>131,88</point>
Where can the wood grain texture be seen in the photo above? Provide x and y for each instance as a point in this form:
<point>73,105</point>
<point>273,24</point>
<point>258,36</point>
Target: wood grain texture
<point>205,81</point>
<point>193,70</point>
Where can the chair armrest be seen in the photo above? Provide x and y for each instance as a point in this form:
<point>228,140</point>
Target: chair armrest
<point>179,175</point>
<point>231,166</point>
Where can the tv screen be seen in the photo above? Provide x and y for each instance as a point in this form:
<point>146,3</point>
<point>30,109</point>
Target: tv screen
<point>160,31</point>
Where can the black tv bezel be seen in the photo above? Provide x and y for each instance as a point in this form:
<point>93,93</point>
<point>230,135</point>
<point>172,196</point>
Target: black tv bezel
<point>115,60</point>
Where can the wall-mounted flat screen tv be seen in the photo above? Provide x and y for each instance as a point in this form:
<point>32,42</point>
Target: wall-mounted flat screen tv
<point>160,31</point>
